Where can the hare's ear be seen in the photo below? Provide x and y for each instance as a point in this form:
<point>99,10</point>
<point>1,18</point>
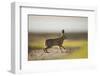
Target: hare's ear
<point>63,31</point>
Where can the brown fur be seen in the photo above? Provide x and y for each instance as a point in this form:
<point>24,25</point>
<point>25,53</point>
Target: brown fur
<point>54,42</point>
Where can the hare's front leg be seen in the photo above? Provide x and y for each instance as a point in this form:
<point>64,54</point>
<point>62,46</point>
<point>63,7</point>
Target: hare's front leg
<point>60,49</point>
<point>63,47</point>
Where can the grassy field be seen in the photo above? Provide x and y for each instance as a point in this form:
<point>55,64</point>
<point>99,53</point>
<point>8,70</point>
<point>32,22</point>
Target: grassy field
<point>36,42</point>
<point>80,53</point>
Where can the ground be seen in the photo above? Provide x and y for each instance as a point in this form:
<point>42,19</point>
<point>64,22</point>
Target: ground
<point>73,49</point>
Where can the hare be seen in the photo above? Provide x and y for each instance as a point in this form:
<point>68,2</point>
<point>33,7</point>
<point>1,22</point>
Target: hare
<point>54,42</point>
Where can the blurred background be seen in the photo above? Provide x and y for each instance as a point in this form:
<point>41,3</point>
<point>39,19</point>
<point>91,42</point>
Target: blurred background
<point>40,23</point>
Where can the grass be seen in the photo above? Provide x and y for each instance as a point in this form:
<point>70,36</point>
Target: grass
<point>80,53</point>
<point>36,42</point>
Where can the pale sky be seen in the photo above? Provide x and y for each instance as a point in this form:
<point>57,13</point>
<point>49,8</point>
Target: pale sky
<point>57,23</point>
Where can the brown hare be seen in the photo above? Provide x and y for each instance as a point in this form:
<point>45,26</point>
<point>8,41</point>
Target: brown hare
<point>54,42</point>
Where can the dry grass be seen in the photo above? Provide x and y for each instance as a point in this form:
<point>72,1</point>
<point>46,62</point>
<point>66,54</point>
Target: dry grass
<point>75,49</point>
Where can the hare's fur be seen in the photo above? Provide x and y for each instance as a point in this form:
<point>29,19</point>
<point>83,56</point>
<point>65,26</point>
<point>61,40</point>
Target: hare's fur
<point>54,42</point>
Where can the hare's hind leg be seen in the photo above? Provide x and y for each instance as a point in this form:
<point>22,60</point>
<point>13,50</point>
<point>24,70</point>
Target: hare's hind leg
<point>45,49</point>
